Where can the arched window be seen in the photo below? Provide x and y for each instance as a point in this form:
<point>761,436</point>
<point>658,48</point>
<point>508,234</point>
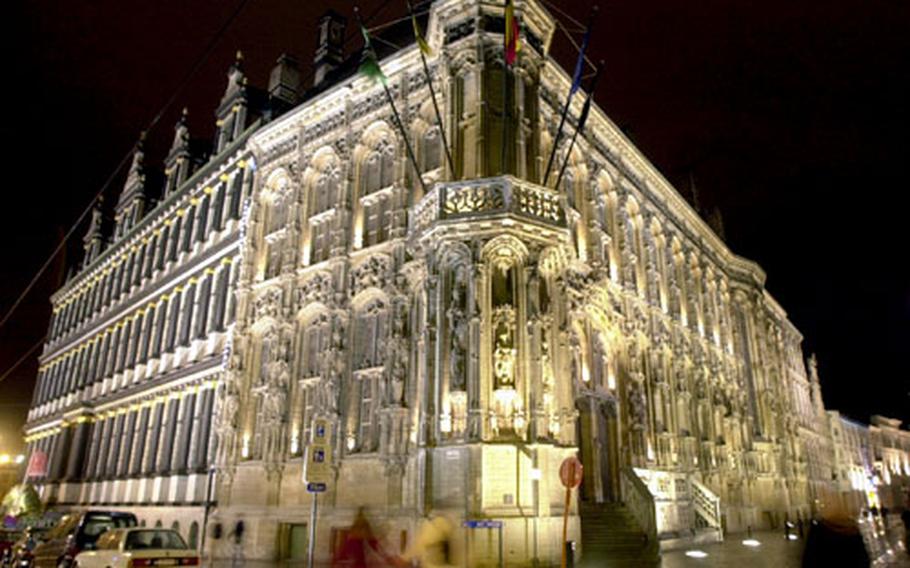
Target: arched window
<point>314,340</point>
<point>379,167</point>
<point>369,335</point>
<point>193,537</point>
<point>370,325</point>
<point>202,218</point>
<point>323,192</point>
<point>188,220</point>
<point>377,173</point>
<point>275,206</point>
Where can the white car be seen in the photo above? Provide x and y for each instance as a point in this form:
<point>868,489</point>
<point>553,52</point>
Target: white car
<point>138,546</point>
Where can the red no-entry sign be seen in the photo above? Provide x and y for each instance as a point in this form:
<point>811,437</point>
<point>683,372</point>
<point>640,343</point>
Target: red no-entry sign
<point>570,472</point>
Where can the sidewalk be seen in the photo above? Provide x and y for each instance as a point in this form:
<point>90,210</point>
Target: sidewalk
<point>774,551</point>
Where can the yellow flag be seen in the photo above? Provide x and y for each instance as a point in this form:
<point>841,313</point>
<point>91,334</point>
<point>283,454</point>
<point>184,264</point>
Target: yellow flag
<point>421,42</point>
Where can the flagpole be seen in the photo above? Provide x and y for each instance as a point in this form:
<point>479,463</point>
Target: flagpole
<point>562,122</point>
<point>581,124</point>
<point>506,115</point>
<point>572,89</point>
<point>507,39</point>
<point>442,130</point>
<point>388,94</point>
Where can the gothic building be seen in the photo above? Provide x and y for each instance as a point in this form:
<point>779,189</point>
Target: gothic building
<point>458,333</point>
<point>125,398</point>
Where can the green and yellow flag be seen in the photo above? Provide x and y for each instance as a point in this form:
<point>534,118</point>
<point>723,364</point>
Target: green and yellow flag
<point>421,41</point>
<point>369,64</point>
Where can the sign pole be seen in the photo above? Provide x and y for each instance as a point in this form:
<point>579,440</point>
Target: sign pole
<point>317,474</point>
<point>565,525</point>
<point>501,565</point>
<point>570,473</point>
<point>311,544</point>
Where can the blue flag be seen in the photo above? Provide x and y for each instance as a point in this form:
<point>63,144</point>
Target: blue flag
<point>580,64</point>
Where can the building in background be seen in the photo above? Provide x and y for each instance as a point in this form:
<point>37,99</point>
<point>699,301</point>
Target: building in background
<point>457,331</point>
<point>853,477</point>
<point>11,470</point>
<point>891,461</point>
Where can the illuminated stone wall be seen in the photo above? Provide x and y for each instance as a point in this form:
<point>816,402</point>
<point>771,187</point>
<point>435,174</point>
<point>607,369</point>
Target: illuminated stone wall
<point>461,330</point>
<point>460,334</point>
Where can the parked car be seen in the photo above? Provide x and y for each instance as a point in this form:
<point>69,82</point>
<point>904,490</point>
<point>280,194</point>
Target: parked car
<point>77,532</point>
<point>20,555</point>
<point>134,547</point>
<point>8,540</point>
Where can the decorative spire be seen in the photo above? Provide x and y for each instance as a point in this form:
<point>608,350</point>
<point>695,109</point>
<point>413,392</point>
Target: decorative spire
<point>135,180</point>
<point>181,144</point>
<point>94,238</point>
<point>232,110</point>
<point>236,79</point>
<point>130,206</point>
<point>177,164</point>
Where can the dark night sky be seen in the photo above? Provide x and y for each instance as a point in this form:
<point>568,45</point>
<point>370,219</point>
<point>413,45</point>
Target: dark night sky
<point>789,116</point>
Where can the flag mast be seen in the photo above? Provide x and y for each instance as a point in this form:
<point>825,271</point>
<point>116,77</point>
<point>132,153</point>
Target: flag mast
<point>511,47</point>
<point>424,49</point>
<point>582,118</point>
<point>576,83</point>
<point>370,67</point>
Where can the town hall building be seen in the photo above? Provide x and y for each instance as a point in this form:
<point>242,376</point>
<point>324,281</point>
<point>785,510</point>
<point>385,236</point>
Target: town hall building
<point>457,331</point>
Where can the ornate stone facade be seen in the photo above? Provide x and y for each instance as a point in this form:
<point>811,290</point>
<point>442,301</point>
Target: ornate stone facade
<point>461,341</point>
<point>125,399</point>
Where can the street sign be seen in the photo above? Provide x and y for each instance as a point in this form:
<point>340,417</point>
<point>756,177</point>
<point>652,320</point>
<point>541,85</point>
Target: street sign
<point>317,474</point>
<point>318,464</point>
<point>482,524</point>
<point>570,472</point>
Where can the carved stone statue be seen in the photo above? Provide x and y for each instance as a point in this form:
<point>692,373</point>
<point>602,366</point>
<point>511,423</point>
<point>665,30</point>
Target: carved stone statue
<point>228,425</point>
<point>504,352</point>
<point>637,403</point>
<point>458,332</point>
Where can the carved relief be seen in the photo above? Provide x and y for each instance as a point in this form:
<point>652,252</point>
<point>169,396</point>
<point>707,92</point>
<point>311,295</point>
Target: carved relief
<point>371,273</point>
<point>458,331</point>
<point>504,351</point>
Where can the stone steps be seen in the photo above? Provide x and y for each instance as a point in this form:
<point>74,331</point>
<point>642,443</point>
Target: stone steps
<point>611,538</point>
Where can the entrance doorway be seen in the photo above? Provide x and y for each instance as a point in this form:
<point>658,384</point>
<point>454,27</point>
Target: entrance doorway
<point>597,433</point>
<point>293,543</point>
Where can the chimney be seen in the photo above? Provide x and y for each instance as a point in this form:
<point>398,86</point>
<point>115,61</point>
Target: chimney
<point>330,45</point>
<point>284,84</point>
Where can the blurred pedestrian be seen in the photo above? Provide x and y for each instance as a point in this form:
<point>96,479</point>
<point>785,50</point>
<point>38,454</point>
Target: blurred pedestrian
<point>905,517</point>
<point>360,539</point>
<point>434,545</point>
<point>835,540</point>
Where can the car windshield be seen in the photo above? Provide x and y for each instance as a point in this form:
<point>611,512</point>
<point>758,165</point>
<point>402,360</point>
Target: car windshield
<point>95,525</point>
<point>154,539</point>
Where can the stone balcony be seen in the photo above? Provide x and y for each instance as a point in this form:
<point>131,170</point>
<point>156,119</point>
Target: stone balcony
<point>488,198</point>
